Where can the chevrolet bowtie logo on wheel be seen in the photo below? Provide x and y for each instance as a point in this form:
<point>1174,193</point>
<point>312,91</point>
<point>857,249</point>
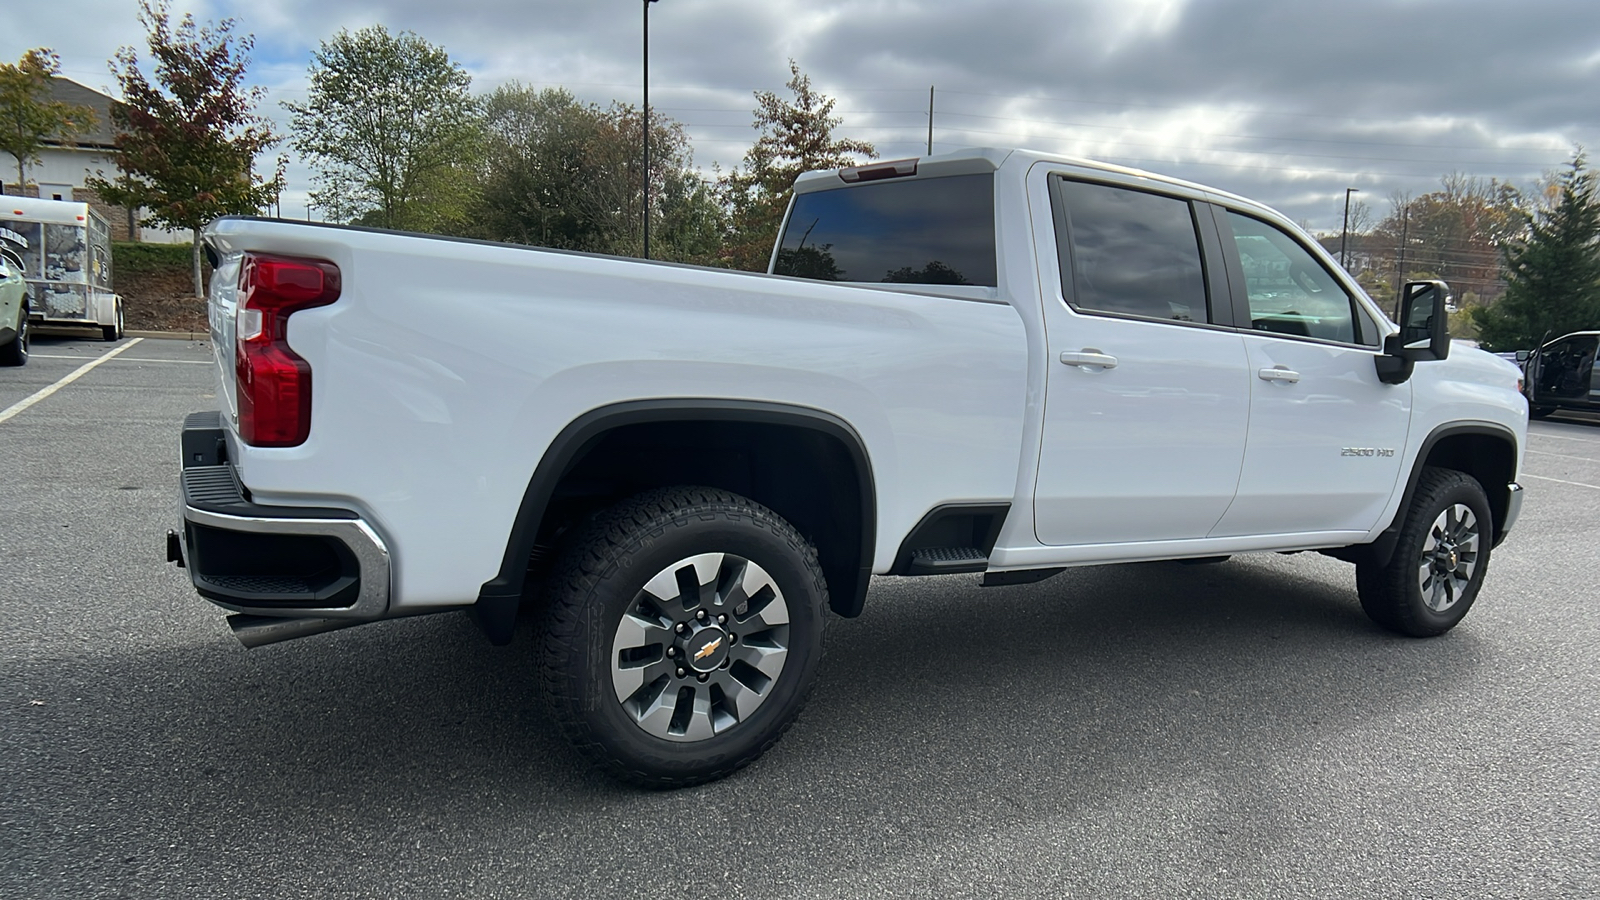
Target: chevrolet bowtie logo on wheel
<point>707,650</point>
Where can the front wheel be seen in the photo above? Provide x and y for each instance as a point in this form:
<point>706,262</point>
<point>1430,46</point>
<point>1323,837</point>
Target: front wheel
<point>683,635</point>
<point>1439,560</point>
<point>1539,412</point>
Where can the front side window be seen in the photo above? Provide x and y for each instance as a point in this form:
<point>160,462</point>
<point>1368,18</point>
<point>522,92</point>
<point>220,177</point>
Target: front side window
<point>923,231</point>
<point>1132,253</point>
<point>1290,292</point>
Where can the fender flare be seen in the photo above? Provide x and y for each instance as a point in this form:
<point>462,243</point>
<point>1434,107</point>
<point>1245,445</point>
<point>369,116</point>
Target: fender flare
<point>1381,549</point>
<point>500,597</point>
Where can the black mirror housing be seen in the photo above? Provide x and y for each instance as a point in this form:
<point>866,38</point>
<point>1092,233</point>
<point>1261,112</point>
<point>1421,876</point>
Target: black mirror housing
<point>1425,320</point>
<point>1424,331</point>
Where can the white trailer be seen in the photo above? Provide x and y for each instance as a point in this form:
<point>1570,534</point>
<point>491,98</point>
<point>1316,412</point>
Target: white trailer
<point>66,258</point>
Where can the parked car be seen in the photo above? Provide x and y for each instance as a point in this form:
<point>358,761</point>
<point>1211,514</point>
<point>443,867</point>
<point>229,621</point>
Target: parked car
<point>13,308</point>
<point>1562,374</point>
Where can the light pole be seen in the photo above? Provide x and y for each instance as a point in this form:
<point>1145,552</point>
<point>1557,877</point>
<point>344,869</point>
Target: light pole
<point>647,127</point>
<point>1400,272</point>
<point>1344,233</point>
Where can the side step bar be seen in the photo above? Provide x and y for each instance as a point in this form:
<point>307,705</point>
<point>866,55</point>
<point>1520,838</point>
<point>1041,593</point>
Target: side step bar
<point>947,560</point>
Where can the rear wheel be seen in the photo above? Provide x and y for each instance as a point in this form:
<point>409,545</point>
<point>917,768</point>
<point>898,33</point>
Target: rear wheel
<point>15,351</point>
<point>1439,560</point>
<point>114,331</point>
<point>683,635</point>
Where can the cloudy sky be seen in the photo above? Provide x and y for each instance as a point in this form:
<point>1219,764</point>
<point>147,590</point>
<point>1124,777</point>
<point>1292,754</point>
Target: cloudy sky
<point>1286,101</point>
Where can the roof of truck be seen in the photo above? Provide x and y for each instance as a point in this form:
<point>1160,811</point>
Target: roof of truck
<point>989,159</point>
<point>976,160</point>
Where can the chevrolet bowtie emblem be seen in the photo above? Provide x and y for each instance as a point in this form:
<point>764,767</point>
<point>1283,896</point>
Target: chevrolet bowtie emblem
<point>707,650</point>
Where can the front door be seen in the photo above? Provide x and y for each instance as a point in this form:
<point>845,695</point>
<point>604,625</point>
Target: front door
<point>1327,438</point>
<point>1564,372</point>
<point>1147,398</point>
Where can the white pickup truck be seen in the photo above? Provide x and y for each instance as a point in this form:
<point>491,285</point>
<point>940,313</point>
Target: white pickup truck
<point>991,361</point>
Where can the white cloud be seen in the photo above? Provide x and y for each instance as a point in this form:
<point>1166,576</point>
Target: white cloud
<point>1285,102</point>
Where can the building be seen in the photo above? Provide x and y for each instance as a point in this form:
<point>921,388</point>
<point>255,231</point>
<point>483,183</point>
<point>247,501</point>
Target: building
<point>63,167</point>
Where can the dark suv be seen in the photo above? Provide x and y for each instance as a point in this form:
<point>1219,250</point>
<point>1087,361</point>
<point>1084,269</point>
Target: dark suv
<point>1562,375</point>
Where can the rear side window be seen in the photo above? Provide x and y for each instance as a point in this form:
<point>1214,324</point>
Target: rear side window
<point>1132,254</point>
<point>927,231</point>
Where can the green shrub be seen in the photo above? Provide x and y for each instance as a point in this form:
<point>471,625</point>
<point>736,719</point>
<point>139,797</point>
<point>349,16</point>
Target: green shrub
<point>128,258</point>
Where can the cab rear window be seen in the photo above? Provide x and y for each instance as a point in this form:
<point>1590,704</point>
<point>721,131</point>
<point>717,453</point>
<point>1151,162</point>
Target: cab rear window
<point>926,231</point>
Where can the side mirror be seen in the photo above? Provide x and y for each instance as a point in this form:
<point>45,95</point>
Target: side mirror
<point>1425,320</point>
<point>1522,356</point>
<point>1424,331</point>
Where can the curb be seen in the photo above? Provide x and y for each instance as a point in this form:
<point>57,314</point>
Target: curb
<point>168,335</point>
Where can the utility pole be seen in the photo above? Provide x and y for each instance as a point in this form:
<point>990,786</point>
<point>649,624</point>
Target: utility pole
<point>1400,272</point>
<point>1344,233</point>
<point>647,127</point>
<point>930,120</point>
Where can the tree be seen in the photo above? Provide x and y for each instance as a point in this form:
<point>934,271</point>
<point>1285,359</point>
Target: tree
<point>186,149</point>
<point>391,130</point>
<point>1458,231</point>
<point>1360,217</point>
<point>559,173</point>
<point>1553,274</point>
<point>686,220</point>
<point>29,119</point>
<point>795,137</point>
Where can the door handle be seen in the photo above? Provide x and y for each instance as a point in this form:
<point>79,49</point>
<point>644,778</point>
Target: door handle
<point>1279,373</point>
<point>1089,357</point>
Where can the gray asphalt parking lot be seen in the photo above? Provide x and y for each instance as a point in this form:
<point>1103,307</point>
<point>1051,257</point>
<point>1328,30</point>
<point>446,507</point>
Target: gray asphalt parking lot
<point>1237,730</point>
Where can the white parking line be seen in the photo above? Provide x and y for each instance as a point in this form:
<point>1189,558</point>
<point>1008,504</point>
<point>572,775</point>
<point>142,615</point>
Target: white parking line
<point>1562,481</point>
<point>77,373</point>
<point>1562,437</point>
<point>1564,456</point>
<point>179,362</point>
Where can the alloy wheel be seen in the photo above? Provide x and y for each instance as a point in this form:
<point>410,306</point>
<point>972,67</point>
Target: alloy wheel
<point>701,647</point>
<point>1449,557</point>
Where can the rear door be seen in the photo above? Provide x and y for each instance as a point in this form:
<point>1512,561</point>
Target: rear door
<point>1147,398</point>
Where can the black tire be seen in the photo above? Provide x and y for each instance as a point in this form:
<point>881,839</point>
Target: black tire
<point>113,332</point>
<point>15,351</point>
<point>1539,412</point>
<point>1443,545</point>
<point>658,537</point>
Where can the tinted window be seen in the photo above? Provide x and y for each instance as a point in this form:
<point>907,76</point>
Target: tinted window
<point>932,231</point>
<point>1290,292</point>
<point>1133,253</point>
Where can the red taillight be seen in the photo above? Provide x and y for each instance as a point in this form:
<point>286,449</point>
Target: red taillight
<point>274,383</point>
